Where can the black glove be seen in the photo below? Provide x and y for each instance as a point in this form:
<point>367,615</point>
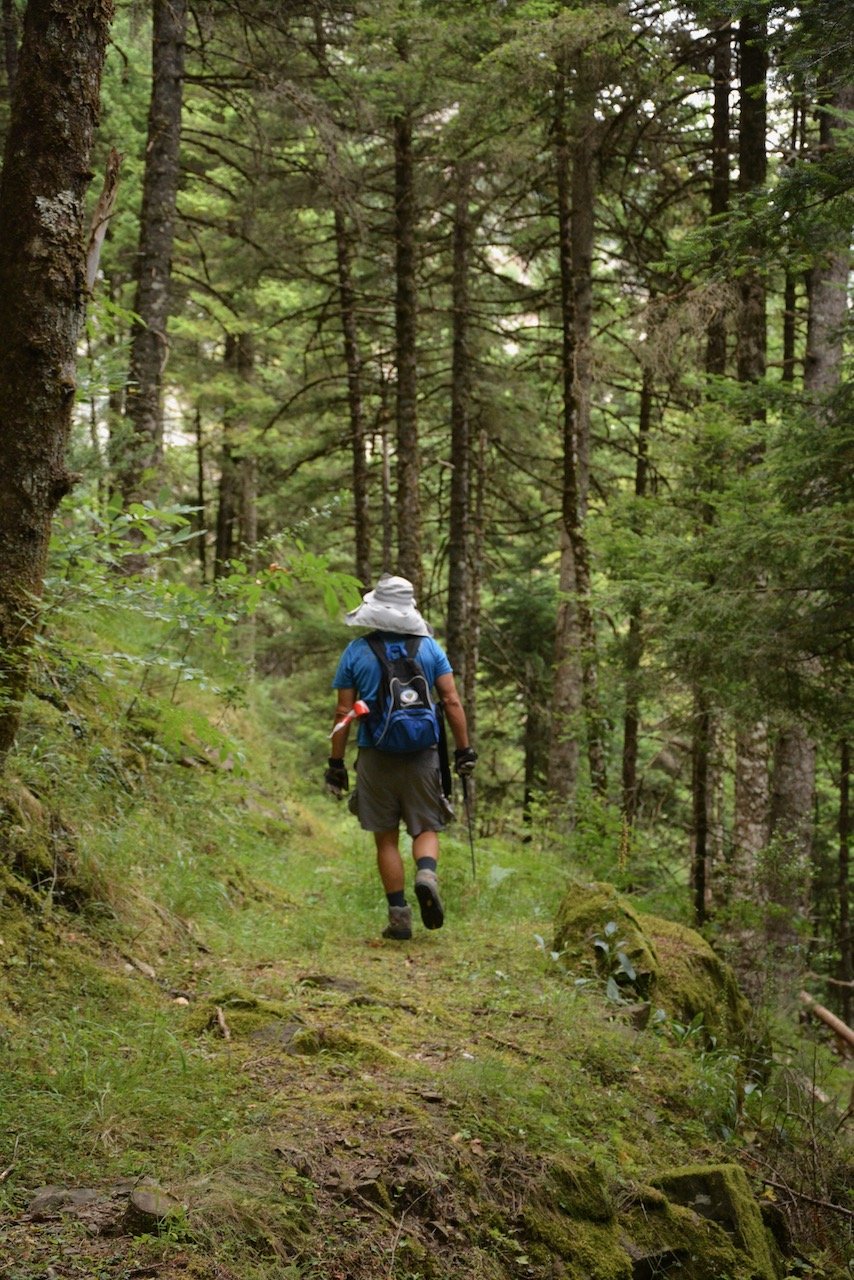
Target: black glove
<point>336,778</point>
<point>464,758</point>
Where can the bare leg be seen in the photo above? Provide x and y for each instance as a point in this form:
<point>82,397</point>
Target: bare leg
<point>426,845</point>
<point>389,861</point>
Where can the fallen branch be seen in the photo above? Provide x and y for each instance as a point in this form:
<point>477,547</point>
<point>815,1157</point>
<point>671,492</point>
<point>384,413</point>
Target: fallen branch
<point>832,982</point>
<point>802,1195</point>
<point>5,1173</point>
<point>222,1024</point>
<point>511,1044</point>
<point>829,1019</point>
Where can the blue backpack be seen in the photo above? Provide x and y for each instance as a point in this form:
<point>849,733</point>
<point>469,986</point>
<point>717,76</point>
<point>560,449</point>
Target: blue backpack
<point>404,717</point>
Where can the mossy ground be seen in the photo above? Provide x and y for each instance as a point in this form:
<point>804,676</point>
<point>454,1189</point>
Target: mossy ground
<point>205,1000</point>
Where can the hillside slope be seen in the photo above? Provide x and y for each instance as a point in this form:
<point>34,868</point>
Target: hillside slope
<point>217,1068</point>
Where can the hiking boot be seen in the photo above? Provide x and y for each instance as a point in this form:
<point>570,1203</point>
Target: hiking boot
<point>427,893</point>
<point>399,924</point>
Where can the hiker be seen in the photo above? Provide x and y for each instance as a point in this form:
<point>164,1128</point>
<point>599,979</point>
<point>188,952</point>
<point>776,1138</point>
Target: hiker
<point>384,679</point>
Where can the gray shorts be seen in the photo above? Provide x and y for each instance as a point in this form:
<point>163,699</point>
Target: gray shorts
<point>393,788</point>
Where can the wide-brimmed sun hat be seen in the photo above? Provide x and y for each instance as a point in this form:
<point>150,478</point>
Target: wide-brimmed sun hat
<point>390,607</point>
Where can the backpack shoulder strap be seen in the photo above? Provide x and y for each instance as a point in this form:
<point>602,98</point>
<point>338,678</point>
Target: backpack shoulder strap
<point>377,647</point>
<point>413,644</point>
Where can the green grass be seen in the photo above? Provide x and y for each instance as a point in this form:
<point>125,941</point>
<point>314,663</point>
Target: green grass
<point>243,887</point>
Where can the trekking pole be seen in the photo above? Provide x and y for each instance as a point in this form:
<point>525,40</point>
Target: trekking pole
<point>465,783</point>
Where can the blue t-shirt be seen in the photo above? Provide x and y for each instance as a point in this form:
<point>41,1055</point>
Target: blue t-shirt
<point>359,669</point>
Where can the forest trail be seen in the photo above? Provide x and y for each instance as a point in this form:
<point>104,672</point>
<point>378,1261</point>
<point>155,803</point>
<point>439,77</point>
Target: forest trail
<point>343,1107</point>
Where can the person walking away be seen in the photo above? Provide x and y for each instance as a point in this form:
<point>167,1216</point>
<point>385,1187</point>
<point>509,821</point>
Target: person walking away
<point>385,680</point>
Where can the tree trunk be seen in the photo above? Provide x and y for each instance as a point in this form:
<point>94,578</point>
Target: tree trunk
<point>844,940</point>
<point>477,540</point>
<point>533,746</point>
<point>143,450</point>
<point>750,818</point>
<point>226,510</point>
<point>634,641</point>
<point>10,45</point>
<point>716,352</point>
<point>248,542</point>
<point>790,292</point>
<point>792,817</point>
<point>576,677</point>
<point>353,363</point>
<point>384,423</point>
<point>42,262</point>
<point>828,278</point>
<point>201,499</point>
<point>236,486</point>
<point>700,869</point>
<point>459,550</point>
<point>753,170</point>
<point>716,364</point>
<point>790,317</point>
<point>406,311</point>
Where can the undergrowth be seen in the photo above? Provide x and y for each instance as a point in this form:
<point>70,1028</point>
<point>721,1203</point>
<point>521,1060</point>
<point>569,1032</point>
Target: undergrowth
<point>192,990</point>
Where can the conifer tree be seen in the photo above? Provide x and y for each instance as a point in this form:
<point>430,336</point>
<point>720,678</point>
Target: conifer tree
<point>42,261</point>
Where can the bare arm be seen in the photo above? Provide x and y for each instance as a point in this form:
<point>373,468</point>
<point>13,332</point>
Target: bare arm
<point>447,691</point>
<point>346,700</point>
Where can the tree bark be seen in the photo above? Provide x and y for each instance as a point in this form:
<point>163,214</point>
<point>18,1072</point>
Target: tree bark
<point>702,732</point>
<point>10,45</point>
<point>750,819</point>
<point>406,325</point>
<point>716,345</point>
<point>384,429</point>
<point>828,279</point>
<point>790,290</point>
<point>201,499</point>
<point>634,641</point>
<point>459,550</point>
<point>701,742</point>
<point>477,542</point>
<point>353,364</point>
<point>844,940</point>
<point>143,449</point>
<point>752,173</point>
<point>235,522</point>
<point>576,676</point>
<point>533,746</point>
<point>792,819</point>
<point>42,299</point>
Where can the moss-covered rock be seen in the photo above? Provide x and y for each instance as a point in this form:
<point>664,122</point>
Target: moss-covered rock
<point>590,1250</point>
<point>721,1194</point>
<point>38,847</point>
<point>703,1222</point>
<point>241,1012</point>
<point>570,1213</point>
<point>580,1190</point>
<point>693,980</point>
<point>584,915</point>
<point>674,966</point>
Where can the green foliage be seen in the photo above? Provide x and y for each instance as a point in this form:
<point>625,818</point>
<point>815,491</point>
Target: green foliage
<point>179,620</point>
<point>613,962</point>
<point>223,887</point>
